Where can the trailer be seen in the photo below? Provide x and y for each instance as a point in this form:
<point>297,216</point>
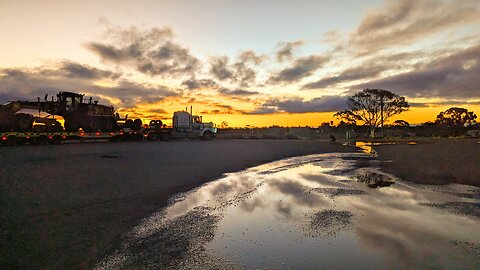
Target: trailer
<point>45,138</point>
<point>90,121</point>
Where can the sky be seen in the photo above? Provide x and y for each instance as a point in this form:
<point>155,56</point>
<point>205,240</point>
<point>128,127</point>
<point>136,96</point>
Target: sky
<point>255,63</point>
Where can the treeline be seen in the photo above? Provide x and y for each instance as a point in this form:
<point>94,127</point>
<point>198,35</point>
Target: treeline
<point>370,109</point>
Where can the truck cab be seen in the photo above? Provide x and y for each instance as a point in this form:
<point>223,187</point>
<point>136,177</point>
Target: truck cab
<point>185,122</point>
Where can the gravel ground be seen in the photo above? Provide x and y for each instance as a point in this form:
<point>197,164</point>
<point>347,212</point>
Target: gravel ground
<point>66,206</point>
<point>435,161</point>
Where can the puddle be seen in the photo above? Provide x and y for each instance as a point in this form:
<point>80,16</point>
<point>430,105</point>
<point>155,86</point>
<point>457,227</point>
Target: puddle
<point>367,147</point>
<point>307,213</point>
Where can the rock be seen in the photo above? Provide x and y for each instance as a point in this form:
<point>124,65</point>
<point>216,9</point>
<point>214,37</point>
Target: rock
<point>374,178</point>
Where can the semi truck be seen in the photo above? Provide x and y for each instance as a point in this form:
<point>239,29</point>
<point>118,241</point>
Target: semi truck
<point>184,125</point>
<point>89,121</point>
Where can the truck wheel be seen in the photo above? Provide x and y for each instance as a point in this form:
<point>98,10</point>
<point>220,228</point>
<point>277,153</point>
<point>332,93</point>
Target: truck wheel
<point>152,136</point>
<point>128,123</point>
<point>207,135</point>
<point>137,124</point>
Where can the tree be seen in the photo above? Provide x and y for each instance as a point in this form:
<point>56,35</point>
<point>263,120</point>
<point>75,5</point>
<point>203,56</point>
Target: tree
<point>224,124</point>
<point>348,117</point>
<point>454,119</point>
<point>373,107</point>
<point>401,123</point>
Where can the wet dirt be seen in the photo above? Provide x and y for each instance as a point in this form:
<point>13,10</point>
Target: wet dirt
<point>329,222</point>
<point>308,212</point>
<point>374,178</point>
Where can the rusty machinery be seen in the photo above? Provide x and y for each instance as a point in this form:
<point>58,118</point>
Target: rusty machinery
<point>77,113</point>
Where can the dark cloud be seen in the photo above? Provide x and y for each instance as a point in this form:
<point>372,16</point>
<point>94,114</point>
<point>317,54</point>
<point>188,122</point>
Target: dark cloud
<point>264,110</point>
<point>402,22</point>
<point>76,70</point>
<point>452,76</point>
<point>157,111</point>
<point>367,69</point>
<point>220,69</point>
<point>193,84</point>
<point>223,109</point>
<point>237,92</point>
<point>18,84</point>
<point>107,52</point>
<point>299,105</point>
<point>301,68</point>
<point>285,50</point>
<point>62,69</point>
<point>131,93</point>
<point>245,76</point>
<point>444,103</point>
<point>149,51</point>
<point>350,74</point>
<point>241,71</point>
<point>250,56</point>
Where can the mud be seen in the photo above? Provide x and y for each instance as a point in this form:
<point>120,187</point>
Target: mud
<point>374,179</point>
<point>67,206</point>
<point>469,209</point>
<point>168,246</point>
<point>329,222</point>
<point>335,192</point>
<point>307,212</point>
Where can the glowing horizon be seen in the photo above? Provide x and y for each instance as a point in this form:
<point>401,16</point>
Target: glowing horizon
<point>246,63</point>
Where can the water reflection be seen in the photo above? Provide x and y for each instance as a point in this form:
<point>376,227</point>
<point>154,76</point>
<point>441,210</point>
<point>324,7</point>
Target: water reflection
<point>308,212</point>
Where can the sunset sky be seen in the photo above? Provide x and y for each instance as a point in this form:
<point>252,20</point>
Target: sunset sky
<point>258,63</point>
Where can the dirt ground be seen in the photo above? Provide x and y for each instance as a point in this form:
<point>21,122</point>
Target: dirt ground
<point>439,161</point>
<point>65,206</point>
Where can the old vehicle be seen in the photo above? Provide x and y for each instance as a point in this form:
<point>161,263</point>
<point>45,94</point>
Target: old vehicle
<point>91,117</point>
<point>87,120</point>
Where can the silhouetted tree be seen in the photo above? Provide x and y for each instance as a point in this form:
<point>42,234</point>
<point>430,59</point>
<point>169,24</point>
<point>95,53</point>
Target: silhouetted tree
<point>400,127</point>
<point>453,120</point>
<point>347,117</point>
<point>373,107</point>
<point>428,129</point>
<point>401,123</point>
<point>224,124</point>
